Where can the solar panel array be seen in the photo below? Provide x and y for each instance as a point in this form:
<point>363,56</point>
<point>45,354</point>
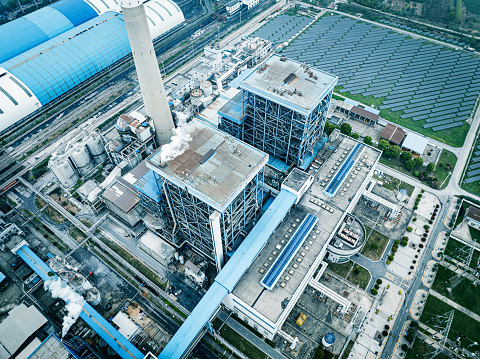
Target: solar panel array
<point>425,82</point>
<point>473,170</point>
<point>424,33</point>
<point>283,27</point>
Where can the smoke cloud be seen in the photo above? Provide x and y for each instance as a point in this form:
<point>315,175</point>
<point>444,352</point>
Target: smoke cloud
<point>180,140</point>
<point>75,301</point>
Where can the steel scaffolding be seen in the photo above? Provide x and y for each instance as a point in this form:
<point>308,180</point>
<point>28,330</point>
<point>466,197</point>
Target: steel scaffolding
<point>191,216</point>
<point>277,130</point>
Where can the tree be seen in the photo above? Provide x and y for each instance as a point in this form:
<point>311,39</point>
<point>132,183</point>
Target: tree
<point>383,145</point>
<point>374,291</point>
<point>409,164</point>
<point>405,156</point>
<point>392,151</point>
<point>367,140</point>
<point>404,347</point>
<point>418,161</point>
<point>431,167</point>
<point>346,129</point>
<point>416,173</point>
<point>329,128</point>
<point>355,136</point>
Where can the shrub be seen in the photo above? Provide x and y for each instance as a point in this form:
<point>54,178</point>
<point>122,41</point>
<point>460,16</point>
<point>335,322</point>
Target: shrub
<point>416,173</point>
<point>409,229</point>
<point>415,207</point>
<point>374,291</point>
<point>376,286</point>
<point>422,191</point>
<point>404,243</point>
<point>388,262</point>
<point>409,338</point>
<point>368,140</point>
<point>356,271</point>
<point>394,249</point>
<point>379,281</point>
<point>414,219</point>
<point>404,347</point>
<point>405,237</point>
<point>397,242</point>
<point>426,226</point>
<point>420,195</point>
<point>390,257</point>
<point>50,274</point>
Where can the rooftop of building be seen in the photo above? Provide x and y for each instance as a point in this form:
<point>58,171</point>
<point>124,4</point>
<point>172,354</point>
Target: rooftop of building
<point>350,235</point>
<point>415,142</point>
<point>289,82</point>
<point>328,210</point>
<point>215,167</point>
<point>121,197</point>
<point>393,134</point>
<point>51,348</point>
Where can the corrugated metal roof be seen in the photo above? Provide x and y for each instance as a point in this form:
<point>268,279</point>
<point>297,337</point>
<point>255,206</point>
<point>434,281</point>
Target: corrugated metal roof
<point>364,113</point>
<point>121,197</point>
<point>33,29</point>
<point>415,143</point>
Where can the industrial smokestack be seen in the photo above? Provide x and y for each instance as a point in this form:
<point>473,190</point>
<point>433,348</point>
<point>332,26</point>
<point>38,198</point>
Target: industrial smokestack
<point>148,72</point>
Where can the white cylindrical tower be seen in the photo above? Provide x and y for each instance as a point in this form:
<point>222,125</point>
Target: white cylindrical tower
<point>81,159</point>
<point>148,72</point>
<point>63,170</point>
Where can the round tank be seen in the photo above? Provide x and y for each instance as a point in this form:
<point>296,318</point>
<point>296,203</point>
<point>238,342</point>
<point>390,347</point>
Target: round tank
<point>96,148</point>
<point>81,159</point>
<point>63,170</point>
<point>176,256</point>
<point>196,93</point>
<point>182,260</point>
<point>328,340</point>
<point>93,297</point>
<point>206,87</point>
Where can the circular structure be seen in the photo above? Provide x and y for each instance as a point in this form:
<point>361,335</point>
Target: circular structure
<point>196,93</point>
<point>206,87</point>
<point>93,297</point>
<point>328,340</point>
<point>348,240</point>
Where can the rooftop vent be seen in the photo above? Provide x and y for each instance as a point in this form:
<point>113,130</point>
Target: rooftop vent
<point>289,78</point>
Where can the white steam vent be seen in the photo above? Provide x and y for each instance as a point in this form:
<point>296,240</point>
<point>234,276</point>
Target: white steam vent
<point>182,136</point>
<point>75,301</point>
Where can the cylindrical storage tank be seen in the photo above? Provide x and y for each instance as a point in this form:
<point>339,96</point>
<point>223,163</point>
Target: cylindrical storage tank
<point>176,256</point>
<point>206,87</point>
<point>328,340</point>
<point>63,170</point>
<point>96,147</point>
<point>182,260</point>
<point>93,297</point>
<point>196,93</point>
<point>81,159</point>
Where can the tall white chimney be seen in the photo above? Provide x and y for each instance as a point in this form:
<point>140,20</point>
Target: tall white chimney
<point>148,72</point>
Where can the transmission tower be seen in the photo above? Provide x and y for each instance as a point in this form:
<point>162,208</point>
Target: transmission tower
<point>465,255</point>
<point>441,324</point>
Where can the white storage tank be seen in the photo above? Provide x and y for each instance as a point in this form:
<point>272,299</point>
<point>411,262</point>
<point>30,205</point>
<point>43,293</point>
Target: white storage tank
<point>206,87</point>
<point>96,147</point>
<point>93,297</point>
<point>176,256</point>
<point>182,260</point>
<point>196,94</point>
<point>63,170</point>
<point>81,159</point>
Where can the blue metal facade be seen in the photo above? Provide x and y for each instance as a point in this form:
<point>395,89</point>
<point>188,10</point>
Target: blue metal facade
<point>33,29</point>
<point>229,276</point>
<point>280,131</point>
<point>58,65</point>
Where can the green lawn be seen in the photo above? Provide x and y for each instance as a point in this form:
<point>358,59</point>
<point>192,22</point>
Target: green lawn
<point>375,245</point>
<point>461,212</point>
<point>420,348</point>
<point>453,136</point>
<point>440,173</point>
<point>453,250</point>
<point>340,269</point>
<point>241,343</point>
<point>360,276</point>
<point>465,293</point>
<point>461,323</point>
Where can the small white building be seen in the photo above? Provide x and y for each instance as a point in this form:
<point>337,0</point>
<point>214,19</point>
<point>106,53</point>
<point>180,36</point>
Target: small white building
<point>251,3</point>
<point>157,248</point>
<point>233,6</point>
<point>194,272</point>
<point>415,144</point>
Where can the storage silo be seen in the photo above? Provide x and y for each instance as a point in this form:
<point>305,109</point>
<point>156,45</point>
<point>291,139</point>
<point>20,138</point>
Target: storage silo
<point>96,147</point>
<point>206,87</point>
<point>63,170</point>
<point>81,159</point>
<point>328,340</point>
<point>93,296</point>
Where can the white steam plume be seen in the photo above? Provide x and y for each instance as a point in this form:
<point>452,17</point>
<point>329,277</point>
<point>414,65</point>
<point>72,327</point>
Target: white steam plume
<point>75,301</point>
<point>180,140</point>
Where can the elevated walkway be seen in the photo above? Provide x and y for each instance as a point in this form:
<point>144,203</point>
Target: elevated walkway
<point>229,276</point>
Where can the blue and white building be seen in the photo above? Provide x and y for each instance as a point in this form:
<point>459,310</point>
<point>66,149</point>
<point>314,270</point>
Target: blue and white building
<point>282,109</point>
<point>52,50</point>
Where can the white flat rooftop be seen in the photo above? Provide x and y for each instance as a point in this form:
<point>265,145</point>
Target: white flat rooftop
<point>215,167</point>
<point>289,82</point>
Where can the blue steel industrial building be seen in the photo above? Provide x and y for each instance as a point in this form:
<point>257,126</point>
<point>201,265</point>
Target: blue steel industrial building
<point>52,50</point>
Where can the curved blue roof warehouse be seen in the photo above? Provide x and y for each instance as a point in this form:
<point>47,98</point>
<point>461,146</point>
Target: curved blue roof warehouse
<point>49,52</point>
<point>33,29</point>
